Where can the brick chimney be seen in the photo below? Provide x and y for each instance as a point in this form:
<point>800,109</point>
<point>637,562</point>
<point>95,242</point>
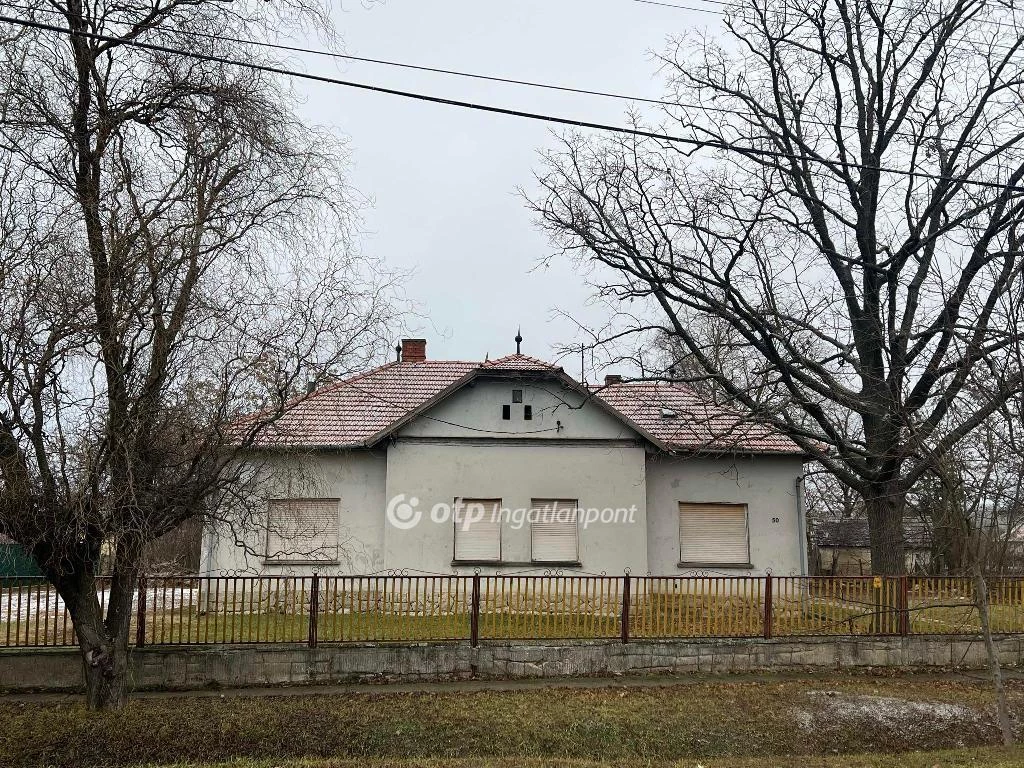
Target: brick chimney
<point>612,378</point>
<point>414,350</point>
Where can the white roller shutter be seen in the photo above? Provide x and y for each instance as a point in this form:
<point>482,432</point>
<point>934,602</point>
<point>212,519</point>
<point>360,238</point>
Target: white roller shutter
<point>554,532</point>
<point>713,533</point>
<point>478,530</point>
<point>302,530</point>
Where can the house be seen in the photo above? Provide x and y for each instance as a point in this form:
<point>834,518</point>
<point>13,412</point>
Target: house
<point>843,547</point>
<point>511,465</point>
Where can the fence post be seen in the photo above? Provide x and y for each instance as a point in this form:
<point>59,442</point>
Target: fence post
<point>140,614</point>
<point>904,606</point>
<point>626,599</point>
<point>768,607</point>
<point>474,612</point>
<point>314,609</point>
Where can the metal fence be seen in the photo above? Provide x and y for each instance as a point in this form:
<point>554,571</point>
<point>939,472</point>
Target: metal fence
<point>394,608</point>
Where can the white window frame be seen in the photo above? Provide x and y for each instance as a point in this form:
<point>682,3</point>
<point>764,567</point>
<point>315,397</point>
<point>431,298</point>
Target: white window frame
<point>279,556</point>
<point>541,505</point>
<point>460,504</point>
<point>711,562</point>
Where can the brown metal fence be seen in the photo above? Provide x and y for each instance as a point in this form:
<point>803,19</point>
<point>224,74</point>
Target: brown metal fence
<point>394,608</point>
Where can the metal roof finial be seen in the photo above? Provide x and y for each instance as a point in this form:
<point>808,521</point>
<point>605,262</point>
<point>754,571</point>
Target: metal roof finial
<point>398,353</point>
<point>519,338</point>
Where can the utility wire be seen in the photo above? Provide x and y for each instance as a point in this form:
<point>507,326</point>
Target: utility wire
<point>734,7</point>
<point>350,384</point>
<point>685,7</point>
<point>748,114</point>
<point>415,67</point>
<point>488,108</point>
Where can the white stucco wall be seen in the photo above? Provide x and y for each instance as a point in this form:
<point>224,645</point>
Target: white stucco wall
<point>355,477</point>
<point>478,407</point>
<point>597,476</point>
<point>571,449</point>
<point>766,484</point>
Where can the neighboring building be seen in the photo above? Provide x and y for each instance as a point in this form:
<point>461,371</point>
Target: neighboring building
<point>843,547</point>
<point>526,457</point>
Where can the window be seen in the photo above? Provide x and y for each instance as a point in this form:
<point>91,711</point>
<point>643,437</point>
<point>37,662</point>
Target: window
<point>506,412</point>
<point>517,395</point>
<point>302,531</point>
<point>553,531</point>
<point>477,530</point>
<point>528,413</point>
<point>715,534</point>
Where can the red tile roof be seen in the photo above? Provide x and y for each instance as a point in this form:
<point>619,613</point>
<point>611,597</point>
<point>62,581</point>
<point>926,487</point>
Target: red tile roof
<point>683,420</point>
<point>361,410</point>
<point>519,362</point>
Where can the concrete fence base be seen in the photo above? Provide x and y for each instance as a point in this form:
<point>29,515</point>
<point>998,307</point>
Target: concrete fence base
<point>252,665</point>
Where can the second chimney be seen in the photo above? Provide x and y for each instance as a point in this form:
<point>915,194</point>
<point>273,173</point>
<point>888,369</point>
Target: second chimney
<point>414,350</point>
<point>612,378</point>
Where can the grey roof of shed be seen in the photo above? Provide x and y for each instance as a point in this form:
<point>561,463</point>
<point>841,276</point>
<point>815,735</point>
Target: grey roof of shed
<point>853,533</point>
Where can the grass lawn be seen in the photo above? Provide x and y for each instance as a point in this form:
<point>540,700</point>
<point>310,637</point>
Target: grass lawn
<point>657,615</point>
<point>989,757</point>
<point>830,721</point>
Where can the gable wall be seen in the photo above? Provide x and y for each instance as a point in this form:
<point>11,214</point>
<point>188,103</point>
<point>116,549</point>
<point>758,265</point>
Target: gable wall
<point>476,411</point>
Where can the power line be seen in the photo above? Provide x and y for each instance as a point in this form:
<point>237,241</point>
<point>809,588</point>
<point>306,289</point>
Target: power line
<point>685,7</point>
<point>415,67</point>
<point>558,120</point>
<point>734,6</point>
<point>745,113</point>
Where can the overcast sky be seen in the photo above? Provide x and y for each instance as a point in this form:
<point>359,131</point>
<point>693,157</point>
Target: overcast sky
<point>443,180</point>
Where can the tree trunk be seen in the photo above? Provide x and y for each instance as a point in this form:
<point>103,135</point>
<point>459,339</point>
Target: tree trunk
<point>103,641</point>
<point>106,684</point>
<point>981,601</point>
<point>885,524</point>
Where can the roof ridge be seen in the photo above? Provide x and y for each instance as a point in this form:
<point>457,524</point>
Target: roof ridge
<point>520,356</point>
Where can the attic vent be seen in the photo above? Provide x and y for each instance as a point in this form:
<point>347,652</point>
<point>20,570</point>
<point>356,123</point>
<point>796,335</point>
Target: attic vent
<point>668,413</point>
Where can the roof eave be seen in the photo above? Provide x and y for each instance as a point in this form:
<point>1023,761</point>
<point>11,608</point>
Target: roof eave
<point>718,453</point>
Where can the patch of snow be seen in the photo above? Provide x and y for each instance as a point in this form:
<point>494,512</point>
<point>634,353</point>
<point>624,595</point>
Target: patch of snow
<point>41,601</point>
<point>834,709</point>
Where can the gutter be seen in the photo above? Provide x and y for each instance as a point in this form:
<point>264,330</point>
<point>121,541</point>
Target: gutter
<point>801,523</point>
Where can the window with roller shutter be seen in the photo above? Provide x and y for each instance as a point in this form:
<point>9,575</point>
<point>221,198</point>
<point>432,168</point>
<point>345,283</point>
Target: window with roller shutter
<point>713,534</point>
<point>302,531</point>
<point>477,530</point>
<point>554,531</point>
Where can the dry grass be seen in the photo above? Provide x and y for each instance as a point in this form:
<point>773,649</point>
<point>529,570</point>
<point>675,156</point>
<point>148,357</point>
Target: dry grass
<point>987,757</point>
<point>656,615</point>
<point>733,723</point>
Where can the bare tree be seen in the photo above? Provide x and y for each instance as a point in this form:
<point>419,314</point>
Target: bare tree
<point>174,253</point>
<point>973,500</point>
<point>854,218</point>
